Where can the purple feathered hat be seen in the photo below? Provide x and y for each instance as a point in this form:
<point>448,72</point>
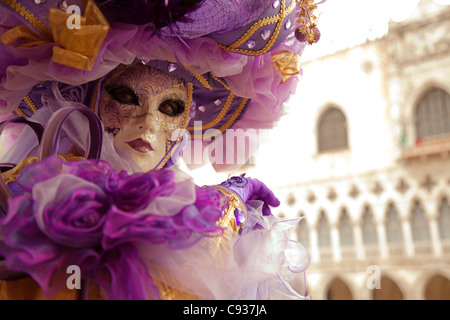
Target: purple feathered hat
<point>240,57</point>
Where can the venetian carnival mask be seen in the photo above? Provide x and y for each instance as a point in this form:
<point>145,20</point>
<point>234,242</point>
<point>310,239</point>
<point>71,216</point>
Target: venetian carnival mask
<point>143,109</point>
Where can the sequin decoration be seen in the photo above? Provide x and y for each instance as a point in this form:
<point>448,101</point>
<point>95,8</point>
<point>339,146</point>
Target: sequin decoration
<point>171,67</point>
<point>250,44</point>
<point>202,108</point>
<point>217,102</point>
<point>40,1</point>
<point>275,4</point>
<point>265,34</point>
<point>288,24</point>
<point>63,5</point>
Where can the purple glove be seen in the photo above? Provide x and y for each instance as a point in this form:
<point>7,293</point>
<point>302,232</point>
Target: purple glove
<point>252,189</point>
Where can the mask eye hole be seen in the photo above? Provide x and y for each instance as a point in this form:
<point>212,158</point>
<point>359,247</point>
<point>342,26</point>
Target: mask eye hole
<point>172,107</point>
<point>123,94</point>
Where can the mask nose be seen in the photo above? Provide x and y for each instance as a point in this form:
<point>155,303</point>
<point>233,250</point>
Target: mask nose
<point>148,122</point>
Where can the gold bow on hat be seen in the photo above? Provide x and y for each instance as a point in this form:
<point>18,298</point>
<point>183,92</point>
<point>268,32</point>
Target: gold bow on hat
<point>78,46</point>
<point>287,62</point>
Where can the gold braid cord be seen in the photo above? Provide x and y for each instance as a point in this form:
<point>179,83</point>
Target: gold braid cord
<point>11,175</point>
<point>228,220</point>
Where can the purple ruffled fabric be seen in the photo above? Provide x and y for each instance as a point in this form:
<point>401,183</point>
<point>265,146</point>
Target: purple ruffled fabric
<point>84,213</point>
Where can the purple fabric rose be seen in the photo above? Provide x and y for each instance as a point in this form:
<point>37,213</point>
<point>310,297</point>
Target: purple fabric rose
<point>122,227</point>
<point>38,172</point>
<point>77,220</point>
<point>84,213</point>
<point>100,173</point>
<point>132,193</point>
<point>181,230</point>
<point>236,181</point>
<point>27,249</point>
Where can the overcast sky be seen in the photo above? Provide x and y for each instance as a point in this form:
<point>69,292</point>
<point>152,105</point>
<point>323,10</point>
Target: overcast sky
<point>346,23</point>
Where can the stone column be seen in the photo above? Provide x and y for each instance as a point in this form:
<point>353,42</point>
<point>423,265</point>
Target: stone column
<point>335,243</point>
<point>380,220</point>
<point>357,234</point>
<point>434,235</point>
<point>407,236</point>
<point>314,244</point>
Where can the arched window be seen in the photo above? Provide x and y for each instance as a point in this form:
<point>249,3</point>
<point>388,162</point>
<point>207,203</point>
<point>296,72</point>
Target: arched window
<point>419,223</point>
<point>369,229</point>
<point>444,220</point>
<point>324,231</point>
<point>332,130</point>
<point>338,290</point>
<point>389,290</point>
<point>438,288</point>
<point>433,114</point>
<point>345,230</point>
<point>393,226</point>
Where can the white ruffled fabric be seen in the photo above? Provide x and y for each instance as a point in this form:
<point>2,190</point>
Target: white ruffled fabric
<point>261,263</point>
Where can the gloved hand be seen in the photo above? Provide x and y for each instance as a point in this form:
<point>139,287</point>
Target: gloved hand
<point>252,189</point>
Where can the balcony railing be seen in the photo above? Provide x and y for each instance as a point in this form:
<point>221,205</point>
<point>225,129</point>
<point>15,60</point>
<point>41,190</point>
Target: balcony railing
<point>446,247</point>
<point>326,254</point>
<point>423,249</point>
<point>372,251</point>
<point>394,250</point>
<point>427,147</point>
<point>348,253</point>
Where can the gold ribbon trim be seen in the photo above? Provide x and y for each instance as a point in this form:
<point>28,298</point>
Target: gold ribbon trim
<point>28,16</point>
<point>21,32</point>
<point>78,47</point>
<point>287,62</point>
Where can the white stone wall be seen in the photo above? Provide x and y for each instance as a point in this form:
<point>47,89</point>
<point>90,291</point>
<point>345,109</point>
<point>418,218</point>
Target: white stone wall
<point>377,86</point>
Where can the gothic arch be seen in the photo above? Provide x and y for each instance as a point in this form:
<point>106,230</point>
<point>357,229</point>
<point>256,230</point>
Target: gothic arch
<point>427,278</point>
<point>369,226</point>
<point>338,289</point>
<point>323,230</point>
<point>443,208</point>
<point>389,290</point>
<point>412,203</point>
<point>437,288</point>
<point>419,222</point>
<point>361,211</point>
<point>345,226</point>
<point>344,209</point>
<point>392,219</point>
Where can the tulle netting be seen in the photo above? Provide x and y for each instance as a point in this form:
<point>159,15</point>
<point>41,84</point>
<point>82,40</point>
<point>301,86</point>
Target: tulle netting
<point>261,263</point>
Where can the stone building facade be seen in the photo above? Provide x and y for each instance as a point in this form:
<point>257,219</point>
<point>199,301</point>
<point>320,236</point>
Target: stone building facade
<point>368,165</point>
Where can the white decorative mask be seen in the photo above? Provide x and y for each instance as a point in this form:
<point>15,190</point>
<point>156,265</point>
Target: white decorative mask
<point>144,109</point>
